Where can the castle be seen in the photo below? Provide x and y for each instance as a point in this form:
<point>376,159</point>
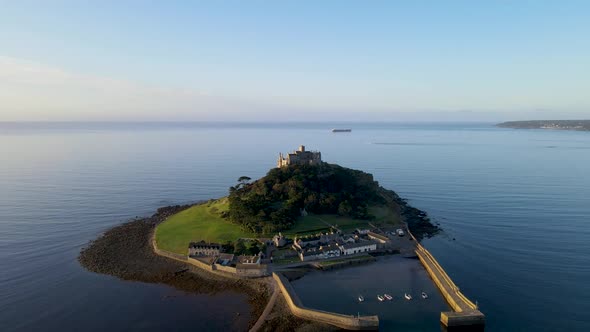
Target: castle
<point>300,157</point>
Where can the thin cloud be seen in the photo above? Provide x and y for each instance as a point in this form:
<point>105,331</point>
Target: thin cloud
<point>34,91</point>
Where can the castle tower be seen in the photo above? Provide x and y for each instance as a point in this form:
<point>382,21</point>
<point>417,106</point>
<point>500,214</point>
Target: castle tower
<point>302,148</point>
<point>280,161</point>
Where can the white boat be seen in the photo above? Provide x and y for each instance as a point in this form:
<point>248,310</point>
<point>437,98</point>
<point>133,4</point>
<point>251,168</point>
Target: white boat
<point>361,298</point>
<point>408,296</point>
<point>380,298</point>
<point>424,295</point>
<point>388,297</point>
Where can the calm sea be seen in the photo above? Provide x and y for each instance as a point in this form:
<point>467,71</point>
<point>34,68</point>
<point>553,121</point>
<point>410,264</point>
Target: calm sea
<point>514,204</point>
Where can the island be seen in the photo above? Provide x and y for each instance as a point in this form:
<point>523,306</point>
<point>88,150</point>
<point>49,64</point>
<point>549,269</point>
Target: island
<point>580,125</point>
<point>304,214</point>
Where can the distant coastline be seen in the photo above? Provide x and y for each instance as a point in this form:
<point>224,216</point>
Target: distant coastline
<point>579,125</point>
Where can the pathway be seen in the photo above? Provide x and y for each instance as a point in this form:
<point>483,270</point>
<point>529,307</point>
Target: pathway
<point>267,310</point>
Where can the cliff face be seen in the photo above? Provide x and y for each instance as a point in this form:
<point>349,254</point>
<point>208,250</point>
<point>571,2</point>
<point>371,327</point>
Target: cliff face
<point>583,125</point>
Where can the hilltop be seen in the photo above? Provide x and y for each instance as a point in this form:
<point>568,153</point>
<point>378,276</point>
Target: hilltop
<point>291,198</point>
<point>297,199</point>
<point>274,202</point>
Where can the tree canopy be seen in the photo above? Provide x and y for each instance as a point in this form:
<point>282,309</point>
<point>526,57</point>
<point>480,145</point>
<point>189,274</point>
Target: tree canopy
<point>273,202</point>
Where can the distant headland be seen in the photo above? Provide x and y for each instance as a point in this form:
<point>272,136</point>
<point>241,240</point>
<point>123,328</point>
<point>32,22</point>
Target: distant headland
<point>581,125</point>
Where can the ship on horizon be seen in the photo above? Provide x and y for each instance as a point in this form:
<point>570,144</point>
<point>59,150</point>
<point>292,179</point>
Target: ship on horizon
<point>337,130</point>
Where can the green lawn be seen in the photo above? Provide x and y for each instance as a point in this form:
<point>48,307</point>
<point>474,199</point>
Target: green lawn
<point>200,222</point>
<point>384,215</point>
<point>314,223</point>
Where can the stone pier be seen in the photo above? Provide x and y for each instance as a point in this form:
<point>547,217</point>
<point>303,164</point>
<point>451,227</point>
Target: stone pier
<point>464,311</point>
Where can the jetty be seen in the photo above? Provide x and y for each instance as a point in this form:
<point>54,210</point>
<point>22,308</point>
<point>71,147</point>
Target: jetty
<point>465,312</point>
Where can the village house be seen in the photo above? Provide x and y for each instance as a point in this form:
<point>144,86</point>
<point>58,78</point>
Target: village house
<point>378,237</point>
<point>244,259</point>
<point>319,239</point>
<point>279,240</point>
<point>250,267</point>
<point>203,248</point>
<point>355,248</point>
<point>348,239</point>
<point>362,231</point>
<point>322,252</point>
<point>225,259</point>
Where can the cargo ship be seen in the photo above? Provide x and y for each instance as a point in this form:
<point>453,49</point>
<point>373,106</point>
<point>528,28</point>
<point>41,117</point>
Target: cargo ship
<point>341,130</point>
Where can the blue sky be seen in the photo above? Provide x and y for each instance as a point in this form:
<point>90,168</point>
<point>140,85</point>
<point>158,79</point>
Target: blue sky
<point>251,60</point>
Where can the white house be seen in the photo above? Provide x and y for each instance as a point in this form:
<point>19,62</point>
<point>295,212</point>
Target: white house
<point>355,248</point>
<point>321,252</point>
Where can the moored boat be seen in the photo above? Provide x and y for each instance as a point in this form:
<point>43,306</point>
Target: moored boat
<point>408,296</point>
<point>361,298</point>
<point>424,295</point>
<point>388,297</point>
<point>380,298</point>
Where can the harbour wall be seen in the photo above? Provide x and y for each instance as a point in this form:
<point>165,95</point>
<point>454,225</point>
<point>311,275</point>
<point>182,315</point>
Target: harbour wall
<point>339,320</point>
<point>465,312</point>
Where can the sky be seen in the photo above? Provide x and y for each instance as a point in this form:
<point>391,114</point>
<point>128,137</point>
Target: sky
<point>294,60</point>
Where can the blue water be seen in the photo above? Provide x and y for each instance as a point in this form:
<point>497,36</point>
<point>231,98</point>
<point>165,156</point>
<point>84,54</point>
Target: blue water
<point>514,204</point>
<point>338,291</point>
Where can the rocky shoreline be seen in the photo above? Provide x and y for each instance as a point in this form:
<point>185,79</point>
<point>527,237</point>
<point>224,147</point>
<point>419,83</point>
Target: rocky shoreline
<point>418,221</point>
<point>125,252</point>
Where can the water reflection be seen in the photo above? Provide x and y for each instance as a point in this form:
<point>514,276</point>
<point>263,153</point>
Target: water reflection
<point>338,291</point>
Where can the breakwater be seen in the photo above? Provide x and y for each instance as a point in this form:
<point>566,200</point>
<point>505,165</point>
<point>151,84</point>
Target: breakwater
<point>465,312</point>
<point>343,321</point>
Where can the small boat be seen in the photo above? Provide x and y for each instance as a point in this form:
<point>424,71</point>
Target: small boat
<point>335,130</point>
<point>388,297</point>
<point>380,298</point>
<point>408,296</point>
<point>361,298</point>
<point>424,295</point>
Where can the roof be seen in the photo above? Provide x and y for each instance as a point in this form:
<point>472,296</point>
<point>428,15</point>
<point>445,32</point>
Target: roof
<point>249,259</point>
<point>203,244</point>
<point>318,250</point>
<point>226,256</point>
<point>358,245</point>
<point>379,236</point>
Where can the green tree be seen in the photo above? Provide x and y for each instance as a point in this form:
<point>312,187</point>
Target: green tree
<point>243,180</point>
<point>253,249</point>
<point>240,248</point>
<point>228,247</point>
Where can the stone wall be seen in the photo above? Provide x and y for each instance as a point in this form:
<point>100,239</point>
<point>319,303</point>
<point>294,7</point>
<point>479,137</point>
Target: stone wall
<point>225,271</point>
<point>260,271</point>
<point>465,312</point>
<point>339,320</point>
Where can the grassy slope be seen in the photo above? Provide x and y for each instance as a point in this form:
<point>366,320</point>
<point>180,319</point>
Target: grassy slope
<point>313,223</point>
<point>200,222</point>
